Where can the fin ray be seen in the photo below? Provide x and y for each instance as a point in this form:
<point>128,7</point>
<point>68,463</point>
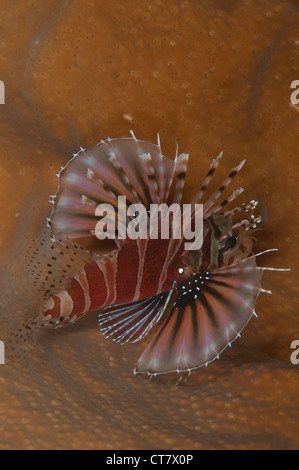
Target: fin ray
<point>132,321</point>
<point>206,318</point>
<point>53,260</point>
<point>115,167</point>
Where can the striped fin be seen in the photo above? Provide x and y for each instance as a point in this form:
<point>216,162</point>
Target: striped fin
<point>209,208</point>
<point>165,180</point>
<point>115,162</point>
<point>211,201</point>
<point>115,167</point>
<point>132,321</point>
<point>224,203</point>
<point>150,178</point>
<point>206,181</point>
<point>181,165</point>
<point>209,314</point>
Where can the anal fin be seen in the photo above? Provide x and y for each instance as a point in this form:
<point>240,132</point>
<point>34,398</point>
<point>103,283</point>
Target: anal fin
<point>132,321</point>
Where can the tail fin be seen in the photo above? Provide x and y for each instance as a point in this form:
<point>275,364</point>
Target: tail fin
<point>22,341</point>
<point>49,263</point>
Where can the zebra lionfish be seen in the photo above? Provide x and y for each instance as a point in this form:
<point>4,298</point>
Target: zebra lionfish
<point>198,301</point>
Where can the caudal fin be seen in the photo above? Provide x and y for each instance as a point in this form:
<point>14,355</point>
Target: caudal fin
<point>22,341</point>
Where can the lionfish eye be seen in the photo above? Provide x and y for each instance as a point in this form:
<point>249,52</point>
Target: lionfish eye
<point>230,242</point>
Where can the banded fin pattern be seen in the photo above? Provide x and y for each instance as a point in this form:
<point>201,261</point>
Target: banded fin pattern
<point>209,205</point>
<point>115,167</point>
<point>215,162</point>
<point>132,321</point>
<point>180,171</point>
<point>209,314</point>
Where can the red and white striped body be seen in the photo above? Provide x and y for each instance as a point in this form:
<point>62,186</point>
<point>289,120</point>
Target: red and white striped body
<point>132,274</point>
<point>109,280</point>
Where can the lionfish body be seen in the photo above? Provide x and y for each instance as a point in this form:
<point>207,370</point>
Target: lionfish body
<point>199,300</point>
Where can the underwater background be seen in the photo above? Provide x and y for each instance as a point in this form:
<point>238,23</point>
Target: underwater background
<point>215,75</point>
